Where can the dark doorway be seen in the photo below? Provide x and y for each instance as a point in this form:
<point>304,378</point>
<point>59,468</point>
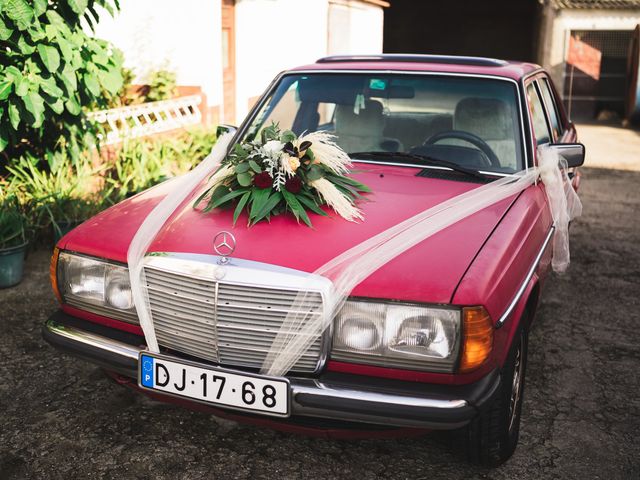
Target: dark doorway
<point>491,28</point>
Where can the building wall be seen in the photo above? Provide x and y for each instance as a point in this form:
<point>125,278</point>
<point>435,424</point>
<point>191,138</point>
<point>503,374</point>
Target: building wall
<point>181,36</point>
<point>271,36</point>
<point>274,35</point>
<point>557,26</point>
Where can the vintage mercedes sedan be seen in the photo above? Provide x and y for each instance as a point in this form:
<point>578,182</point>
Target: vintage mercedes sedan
<point>436,338</point>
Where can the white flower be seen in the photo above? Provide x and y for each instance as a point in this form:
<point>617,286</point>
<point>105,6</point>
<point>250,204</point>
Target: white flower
<point>272,149</point>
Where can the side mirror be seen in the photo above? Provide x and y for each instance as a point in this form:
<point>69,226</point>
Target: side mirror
<point>222,129</point>
<point>573,153</point>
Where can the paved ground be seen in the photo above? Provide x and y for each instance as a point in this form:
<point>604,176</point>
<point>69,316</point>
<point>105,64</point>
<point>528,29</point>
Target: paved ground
<point>62,419</point>
<point>611,146</point>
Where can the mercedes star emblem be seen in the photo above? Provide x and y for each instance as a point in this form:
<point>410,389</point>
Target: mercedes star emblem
<point>224,243</point>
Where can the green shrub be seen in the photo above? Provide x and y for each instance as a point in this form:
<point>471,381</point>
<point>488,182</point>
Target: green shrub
<point>68,191</point>
<point>49,70</point>
<point>161,86</point>
<point>12,223</point>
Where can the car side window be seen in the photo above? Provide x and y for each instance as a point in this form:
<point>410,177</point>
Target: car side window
<point>540,128</point>
<point>552,108</point>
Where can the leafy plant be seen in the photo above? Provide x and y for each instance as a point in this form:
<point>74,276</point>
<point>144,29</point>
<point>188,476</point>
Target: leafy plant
<point>49,70</point>
<point>12,224</point>
<point>280,173</point>
<point>161,86</point>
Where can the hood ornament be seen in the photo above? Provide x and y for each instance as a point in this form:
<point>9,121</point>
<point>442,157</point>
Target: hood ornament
<point>224,243</point>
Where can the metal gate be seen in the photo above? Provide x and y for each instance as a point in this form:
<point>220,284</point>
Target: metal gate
<point>593,97</point>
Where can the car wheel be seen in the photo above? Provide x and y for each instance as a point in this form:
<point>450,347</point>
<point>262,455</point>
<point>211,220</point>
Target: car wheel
<point>491,438</point>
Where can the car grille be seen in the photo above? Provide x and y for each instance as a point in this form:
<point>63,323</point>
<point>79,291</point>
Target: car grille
<point>185,310</point>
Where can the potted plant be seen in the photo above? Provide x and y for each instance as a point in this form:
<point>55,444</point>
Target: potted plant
<point>13,242</point>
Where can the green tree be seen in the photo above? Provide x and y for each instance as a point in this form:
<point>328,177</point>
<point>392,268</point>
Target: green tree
<point>50,68</point>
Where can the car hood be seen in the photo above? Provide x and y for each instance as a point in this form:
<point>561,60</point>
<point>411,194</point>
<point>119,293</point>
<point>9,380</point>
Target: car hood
<point>428,272</point>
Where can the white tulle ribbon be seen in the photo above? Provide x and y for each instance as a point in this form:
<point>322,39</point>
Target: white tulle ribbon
<point>301,327</point>
<point>181,188</point>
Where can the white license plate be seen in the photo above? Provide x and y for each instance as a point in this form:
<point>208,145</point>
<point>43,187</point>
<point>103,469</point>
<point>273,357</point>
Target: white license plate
<point>214,385</point>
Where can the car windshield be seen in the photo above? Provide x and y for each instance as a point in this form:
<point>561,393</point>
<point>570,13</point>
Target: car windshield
<point>471,122</point>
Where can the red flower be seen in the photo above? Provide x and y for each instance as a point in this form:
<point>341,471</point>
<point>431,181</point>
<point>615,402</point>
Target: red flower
<point>293,184</point>
<point>263,180</point>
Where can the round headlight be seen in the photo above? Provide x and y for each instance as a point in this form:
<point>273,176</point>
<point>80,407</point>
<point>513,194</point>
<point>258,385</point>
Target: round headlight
<point>118,291</point>
<point>359,333</point>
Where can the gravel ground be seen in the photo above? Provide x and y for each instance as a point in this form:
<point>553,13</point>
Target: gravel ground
<point>61,418</point>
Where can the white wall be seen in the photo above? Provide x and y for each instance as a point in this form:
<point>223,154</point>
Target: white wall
<point>271,36</point>
<point>274,35</point>
<point>354,28</point>
<point>182,36</point>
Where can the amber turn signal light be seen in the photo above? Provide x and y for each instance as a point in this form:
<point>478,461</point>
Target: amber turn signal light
<point>53,273</point>
<point>477,331</point>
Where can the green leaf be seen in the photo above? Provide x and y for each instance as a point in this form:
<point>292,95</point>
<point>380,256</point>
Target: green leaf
<point>5,32</point>
<point>309,153</point>
<point>20,12</point>
<point>311,205</point>
<point>111,80</point>
<point>242,168</point>
<point>240,151</point>
<point>5,89</point>
<point>73,106</point>
<point>287,136</point>
<point>244,179</point>
<point>241,204</point>
<point>35,106</point>
<point>225,198</point>
<point>49,87</point>
<point>315,173</point>
<point>39,7</point>
<point>68,76</point>
<point>49,56</point>
<point>14,116</point>
<point>268,206</point>
<point>78,6</point>
<point>92,84</point>
<point>4,140</point>
<point>296,208</point>
<point>254,166</point>
<point>25,47</point>
<point>65,48</point>
<point>57,106</point>
<point>22,87</point>
<point>259,197</point>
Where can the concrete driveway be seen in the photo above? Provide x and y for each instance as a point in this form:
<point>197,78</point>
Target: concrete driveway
<point>62,419</point>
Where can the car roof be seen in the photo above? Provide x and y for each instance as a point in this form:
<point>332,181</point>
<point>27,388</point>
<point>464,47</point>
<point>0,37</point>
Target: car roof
<point>425,63</point>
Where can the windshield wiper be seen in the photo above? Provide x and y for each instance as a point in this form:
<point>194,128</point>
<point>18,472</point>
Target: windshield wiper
<point>427,160</point>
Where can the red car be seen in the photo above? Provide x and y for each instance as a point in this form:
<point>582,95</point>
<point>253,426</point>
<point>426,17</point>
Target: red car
<point>435,339</point>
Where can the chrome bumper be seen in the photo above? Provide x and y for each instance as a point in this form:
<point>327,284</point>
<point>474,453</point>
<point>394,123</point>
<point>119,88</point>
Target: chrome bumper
<point>349,398</point>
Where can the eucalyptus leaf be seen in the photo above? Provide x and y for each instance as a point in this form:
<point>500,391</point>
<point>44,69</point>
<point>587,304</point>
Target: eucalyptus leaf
<point>315,173</point>
<point>287,136</point>
<point>242,167</point>
<point>254,166</point>
<point>244,179</point>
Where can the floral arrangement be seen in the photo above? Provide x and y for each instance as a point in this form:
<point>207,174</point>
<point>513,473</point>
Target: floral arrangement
<point>281,172</point>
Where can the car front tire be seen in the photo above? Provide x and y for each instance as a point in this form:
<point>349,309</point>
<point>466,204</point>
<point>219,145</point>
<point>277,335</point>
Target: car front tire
<point>491,438</point>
